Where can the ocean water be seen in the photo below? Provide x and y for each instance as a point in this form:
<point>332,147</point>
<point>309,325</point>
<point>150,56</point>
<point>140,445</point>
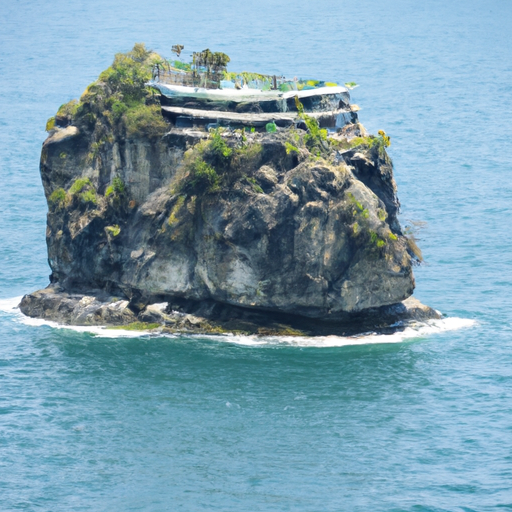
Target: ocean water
<point>415,422</point>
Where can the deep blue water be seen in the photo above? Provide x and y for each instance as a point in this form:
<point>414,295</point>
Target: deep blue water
<point>197,424</point>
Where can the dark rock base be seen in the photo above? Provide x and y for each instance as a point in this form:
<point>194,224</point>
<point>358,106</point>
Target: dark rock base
<point>208,317</point>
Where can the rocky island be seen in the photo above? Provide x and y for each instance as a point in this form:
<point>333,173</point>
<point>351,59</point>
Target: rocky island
<point>180,200</point>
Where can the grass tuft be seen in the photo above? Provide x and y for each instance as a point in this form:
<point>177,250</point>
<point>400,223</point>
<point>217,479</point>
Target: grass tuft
<point>79,185</point>
<point>57,199</point>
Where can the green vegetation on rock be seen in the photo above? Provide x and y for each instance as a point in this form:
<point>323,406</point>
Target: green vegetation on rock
<point>57,199</point>
<point>84,190</point>
<point>117,188</point>
<point>255,185</point>
<point>316,138</point>
<point>213,164</point>
<point>50,124</point>
<point>290,148</point>
<point>380,142</point>
<point>89,197</point>
<point>202,178</point>
<point>128,74</point>
<point>362,225</point>
<point>382,214</point>
<point>376,239</point>
<point>116,193</point>
<point>67,112</point>
<point>79,184</point>
<point>118,108</point>
<point>144,121</point>
<point>113,230</point>
<point>217,151</point>
<point>118,99</point>
<point>137,326</point>
<point>173,217</point>
<point>95,150</point>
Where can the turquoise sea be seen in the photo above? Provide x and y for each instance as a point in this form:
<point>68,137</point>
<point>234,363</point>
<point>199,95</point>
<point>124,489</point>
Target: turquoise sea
<point>416,422</point>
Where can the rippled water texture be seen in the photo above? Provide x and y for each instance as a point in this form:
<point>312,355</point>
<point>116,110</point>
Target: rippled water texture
<point>419,423</point>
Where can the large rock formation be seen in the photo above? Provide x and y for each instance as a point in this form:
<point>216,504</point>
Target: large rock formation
<point>260,227</point>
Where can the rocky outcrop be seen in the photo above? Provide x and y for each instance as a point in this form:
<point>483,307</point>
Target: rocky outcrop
<point>288,228</point>
<point>97,308</point>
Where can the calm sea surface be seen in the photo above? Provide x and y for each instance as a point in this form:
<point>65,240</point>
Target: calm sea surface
<point>237,424</point>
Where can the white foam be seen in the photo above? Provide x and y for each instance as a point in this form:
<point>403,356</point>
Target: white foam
<point>413,331</point>
<point>10,306</point>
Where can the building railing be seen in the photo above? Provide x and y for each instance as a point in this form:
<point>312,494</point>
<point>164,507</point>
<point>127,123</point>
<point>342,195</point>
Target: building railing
<point>213,80</point>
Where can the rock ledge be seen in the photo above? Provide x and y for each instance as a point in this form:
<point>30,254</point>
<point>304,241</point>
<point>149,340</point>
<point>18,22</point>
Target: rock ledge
<point>206,317</point>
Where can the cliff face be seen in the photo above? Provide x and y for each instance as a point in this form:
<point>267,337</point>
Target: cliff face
<point>281,222</point>
<point>303,237</point>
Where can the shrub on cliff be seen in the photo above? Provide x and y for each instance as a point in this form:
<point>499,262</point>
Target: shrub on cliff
<point>57,199</point>
<point>380,142</point>
<point>117,188</point>
<point>89,197</point>
<point>316,137</point>
<point>201,179</point>
<point>79,184</point>
<point>217,150</point>
<point>144,121</point>
<point>213,164</point>
<point>116,194</point>
<point>66,113</point>
<point>128,74</point>
<point>84,190</point>
<point>119,96</point>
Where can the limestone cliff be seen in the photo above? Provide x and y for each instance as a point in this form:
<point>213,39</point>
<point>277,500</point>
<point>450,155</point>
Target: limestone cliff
<point>223,223</point>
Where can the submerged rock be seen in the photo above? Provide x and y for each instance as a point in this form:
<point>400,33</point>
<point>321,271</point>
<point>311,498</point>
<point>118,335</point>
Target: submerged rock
<point>290,229</point>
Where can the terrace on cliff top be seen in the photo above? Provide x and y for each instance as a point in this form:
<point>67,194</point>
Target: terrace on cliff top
<point>203,94</point>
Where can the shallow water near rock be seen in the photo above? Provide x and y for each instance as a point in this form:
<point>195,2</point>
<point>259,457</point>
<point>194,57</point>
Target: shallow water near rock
<point>89,422</point>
